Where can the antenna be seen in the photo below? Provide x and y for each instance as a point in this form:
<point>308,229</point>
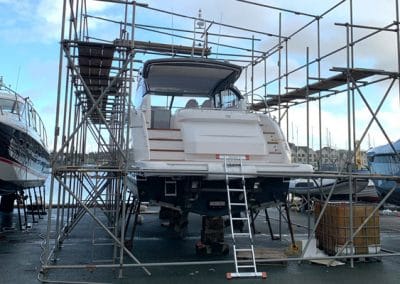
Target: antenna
<point>198,25</point>
<point>200,22</point>
<point>16,84</point>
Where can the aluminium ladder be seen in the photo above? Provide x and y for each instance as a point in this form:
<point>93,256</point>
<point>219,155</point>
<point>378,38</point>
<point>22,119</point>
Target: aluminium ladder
<point>242,241</point>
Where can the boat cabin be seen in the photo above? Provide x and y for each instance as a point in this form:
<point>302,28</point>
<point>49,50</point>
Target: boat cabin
<point>15,108</point>
<point>167,88</point>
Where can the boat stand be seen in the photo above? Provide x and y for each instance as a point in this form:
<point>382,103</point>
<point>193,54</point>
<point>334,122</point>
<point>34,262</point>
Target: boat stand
<point>254,215</point>
<point>21,198</point>
<point>6,209</point>
<point>132,208</point>
<point>294,247</point>
<point>212,237</point>
<point>31,208</point>
<point>35,207</point>
<point>273,237</point>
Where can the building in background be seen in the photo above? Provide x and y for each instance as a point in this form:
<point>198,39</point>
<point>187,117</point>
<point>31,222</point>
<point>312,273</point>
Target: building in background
<point>326,159</point>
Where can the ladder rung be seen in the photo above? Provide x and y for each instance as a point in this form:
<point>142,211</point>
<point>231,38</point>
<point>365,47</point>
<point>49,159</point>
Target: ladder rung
<point>240,218</point>
<point>241,234</point>
<point>244,249</point>
<point>237,189</point>
<point>245,266</point>
<point>238,204</point>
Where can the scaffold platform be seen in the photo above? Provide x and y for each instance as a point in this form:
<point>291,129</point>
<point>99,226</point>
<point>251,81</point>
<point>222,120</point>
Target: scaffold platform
<point>323,85</point>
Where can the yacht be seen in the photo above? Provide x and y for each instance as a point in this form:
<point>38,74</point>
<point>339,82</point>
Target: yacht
<point>189,120</point>
<point>24,158</point>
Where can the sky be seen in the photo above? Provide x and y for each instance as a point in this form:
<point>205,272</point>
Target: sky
<point>30,51</point>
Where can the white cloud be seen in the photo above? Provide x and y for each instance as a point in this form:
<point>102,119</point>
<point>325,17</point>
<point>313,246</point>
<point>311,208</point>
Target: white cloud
<point>37,21</point>
<point>32,22</point>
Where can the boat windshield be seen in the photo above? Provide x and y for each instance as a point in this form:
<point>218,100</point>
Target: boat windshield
<point>160,108</point>
<point>226,99</point>
<point>11,106</point>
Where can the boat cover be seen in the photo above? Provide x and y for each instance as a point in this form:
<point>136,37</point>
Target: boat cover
<point>181,76</point>
<point>385,149</point>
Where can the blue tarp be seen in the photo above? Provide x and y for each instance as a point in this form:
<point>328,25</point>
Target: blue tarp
<point>384,149</point>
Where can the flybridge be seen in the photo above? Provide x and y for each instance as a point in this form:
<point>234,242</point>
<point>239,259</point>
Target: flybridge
<point>182,76</point>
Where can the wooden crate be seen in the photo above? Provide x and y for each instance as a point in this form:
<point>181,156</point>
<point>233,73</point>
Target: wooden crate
<point>333,230</point>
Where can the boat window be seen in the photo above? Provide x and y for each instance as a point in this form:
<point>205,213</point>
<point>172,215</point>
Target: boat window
<point>163,106</point>
<point>6,105</point>
<point>176,102</point>
<point>11,106</point>
<point>227,99</point>
<point>160,101</point>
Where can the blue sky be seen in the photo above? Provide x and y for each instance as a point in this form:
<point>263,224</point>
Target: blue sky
<point>30,35</point>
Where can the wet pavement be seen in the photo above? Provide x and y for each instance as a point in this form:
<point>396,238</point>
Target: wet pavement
<point>88,244</point>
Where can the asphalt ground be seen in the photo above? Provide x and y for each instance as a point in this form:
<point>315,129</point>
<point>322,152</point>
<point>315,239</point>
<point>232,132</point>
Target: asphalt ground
<point>20,253</point>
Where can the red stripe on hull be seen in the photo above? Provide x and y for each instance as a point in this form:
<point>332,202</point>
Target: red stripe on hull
<point>12,163</point>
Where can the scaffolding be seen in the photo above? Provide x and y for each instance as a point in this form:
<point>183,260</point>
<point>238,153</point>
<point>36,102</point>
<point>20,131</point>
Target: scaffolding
<point>96,81</point>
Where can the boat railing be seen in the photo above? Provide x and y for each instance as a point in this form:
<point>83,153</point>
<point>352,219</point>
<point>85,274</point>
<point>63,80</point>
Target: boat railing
<point>27,113</point>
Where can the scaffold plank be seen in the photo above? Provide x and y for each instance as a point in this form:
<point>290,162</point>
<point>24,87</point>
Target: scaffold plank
<point>323,85</point>
<point>95,62</point>
<point>162,47</point>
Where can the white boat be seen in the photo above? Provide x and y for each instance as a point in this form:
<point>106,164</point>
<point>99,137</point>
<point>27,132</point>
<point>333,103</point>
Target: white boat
<point>188,116</point>
<point>24,158</point>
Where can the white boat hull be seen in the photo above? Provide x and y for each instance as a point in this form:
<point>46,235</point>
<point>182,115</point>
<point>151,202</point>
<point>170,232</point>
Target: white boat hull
<point>19,175</point>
